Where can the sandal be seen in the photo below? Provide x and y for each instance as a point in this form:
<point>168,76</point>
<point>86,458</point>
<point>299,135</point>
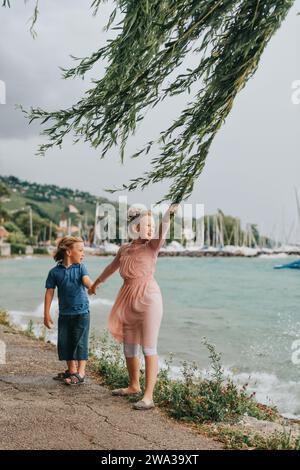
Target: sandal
<point>141,405</point>
<point>62,375</point>
<point>75,379</point>
<point>120,392</point>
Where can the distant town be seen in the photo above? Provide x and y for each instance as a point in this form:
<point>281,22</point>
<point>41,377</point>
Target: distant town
<point>33,216</point>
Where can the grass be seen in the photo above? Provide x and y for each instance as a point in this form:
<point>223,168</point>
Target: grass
<point>247,440</point>
<point>30,329</point>
<point>4,319</point>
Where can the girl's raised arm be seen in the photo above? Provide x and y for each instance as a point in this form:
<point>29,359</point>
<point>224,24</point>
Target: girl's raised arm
<point>156,243</point>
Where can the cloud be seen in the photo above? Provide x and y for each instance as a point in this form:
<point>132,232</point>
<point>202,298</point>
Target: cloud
<point>30,68</point>
<point>252,166</point>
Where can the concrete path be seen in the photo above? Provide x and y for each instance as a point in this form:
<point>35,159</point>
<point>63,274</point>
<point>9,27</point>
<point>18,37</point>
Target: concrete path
<point>36,412</point>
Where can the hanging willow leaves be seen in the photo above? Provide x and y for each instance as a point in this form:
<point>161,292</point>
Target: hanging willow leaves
<point>227,36</point>
<point>32,19</point>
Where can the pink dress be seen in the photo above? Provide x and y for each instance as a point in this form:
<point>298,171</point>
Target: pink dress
<point>137,312</point>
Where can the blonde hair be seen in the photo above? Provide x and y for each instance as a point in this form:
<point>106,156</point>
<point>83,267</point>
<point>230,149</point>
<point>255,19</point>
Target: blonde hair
<point>137,213</point>
<point>63,245</point>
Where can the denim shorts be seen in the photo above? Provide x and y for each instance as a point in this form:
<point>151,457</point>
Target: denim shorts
<point>73,337</point>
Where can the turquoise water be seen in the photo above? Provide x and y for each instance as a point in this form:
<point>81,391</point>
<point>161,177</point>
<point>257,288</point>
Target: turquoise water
<point>243,306</point>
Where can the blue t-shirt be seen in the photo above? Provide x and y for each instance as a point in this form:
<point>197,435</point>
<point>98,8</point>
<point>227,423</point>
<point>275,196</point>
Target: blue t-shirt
<point>72,296</point>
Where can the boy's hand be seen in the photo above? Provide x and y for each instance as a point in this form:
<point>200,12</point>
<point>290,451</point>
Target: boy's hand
<point>48,322</point>
<point>92,290</point>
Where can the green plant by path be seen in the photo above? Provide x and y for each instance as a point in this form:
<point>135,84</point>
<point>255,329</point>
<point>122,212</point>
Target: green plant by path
<point>243,439</point>
<point>4,319</point>
<point>30,329</point>
<point>192,399</point>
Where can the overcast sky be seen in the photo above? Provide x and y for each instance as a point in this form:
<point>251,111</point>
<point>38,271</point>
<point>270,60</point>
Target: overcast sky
<point>253,165</point>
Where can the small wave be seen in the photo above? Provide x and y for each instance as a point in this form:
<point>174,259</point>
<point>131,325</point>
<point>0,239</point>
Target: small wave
<point>38,312</point>
<point>268,387</point>
<point>101,302</point>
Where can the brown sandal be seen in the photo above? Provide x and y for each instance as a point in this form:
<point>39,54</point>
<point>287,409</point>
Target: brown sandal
<point>75,379</point>
<point>62,375</point>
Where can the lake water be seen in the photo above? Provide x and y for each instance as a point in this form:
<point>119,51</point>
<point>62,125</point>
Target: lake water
<point>246,308</point>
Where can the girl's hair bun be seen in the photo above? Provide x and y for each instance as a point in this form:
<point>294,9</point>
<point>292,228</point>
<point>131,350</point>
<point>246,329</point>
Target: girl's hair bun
<point>133,213</point>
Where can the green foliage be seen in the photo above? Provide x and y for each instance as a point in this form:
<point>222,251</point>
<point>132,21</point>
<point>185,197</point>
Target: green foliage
<point>11,227</point>
<point>40,251</point>
<point>193,399</point>
<point>4,215</point>
<point>17,238</point>
<point>4,319</point>
<point>49,201</point>
<point>110,363</point>
<point>30,329</point>
<point>32,19</point>
<point>227,36</point>
<point>43,333</point>
<point>213,399</point>
<point>243,439</point>
<point>4,191</point>
<point>18,249</point>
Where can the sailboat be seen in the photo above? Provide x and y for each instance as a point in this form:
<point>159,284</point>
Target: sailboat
<point>293,264</point>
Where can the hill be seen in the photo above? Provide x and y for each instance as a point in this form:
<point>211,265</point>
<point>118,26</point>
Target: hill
<point>48,201</point>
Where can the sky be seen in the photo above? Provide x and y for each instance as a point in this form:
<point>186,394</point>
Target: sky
<point>253,166</point>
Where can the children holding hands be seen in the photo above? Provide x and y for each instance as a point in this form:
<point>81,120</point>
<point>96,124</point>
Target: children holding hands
<point>136,315</point>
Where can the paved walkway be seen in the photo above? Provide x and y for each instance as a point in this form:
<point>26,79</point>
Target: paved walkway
<point>36,412</point>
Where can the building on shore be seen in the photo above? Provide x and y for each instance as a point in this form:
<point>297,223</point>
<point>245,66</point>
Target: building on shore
<point>5,249</point>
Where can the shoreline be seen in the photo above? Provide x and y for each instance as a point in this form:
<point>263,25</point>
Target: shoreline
<point>70,418</point>
<point>184,253</point>
<point>32,380</point>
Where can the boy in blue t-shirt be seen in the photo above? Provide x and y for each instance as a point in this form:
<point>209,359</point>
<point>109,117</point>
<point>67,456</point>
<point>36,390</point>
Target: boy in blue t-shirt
<point>71,279</point>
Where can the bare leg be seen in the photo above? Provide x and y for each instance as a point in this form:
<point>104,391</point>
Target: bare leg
<point>151,369</point>
<point>81,368</point>
<point>72,367</point>
<point>133,367</point>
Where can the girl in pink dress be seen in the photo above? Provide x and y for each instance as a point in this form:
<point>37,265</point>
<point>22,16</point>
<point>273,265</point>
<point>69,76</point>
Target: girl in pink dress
<point>137,312</point>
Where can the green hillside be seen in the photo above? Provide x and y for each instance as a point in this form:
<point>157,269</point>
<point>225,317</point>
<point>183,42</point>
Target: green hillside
<point>48,201</point>
<point>49,204</point>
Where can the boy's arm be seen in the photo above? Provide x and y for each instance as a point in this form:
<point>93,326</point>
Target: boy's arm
<point>47,304</point>
<point>86,281</point>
